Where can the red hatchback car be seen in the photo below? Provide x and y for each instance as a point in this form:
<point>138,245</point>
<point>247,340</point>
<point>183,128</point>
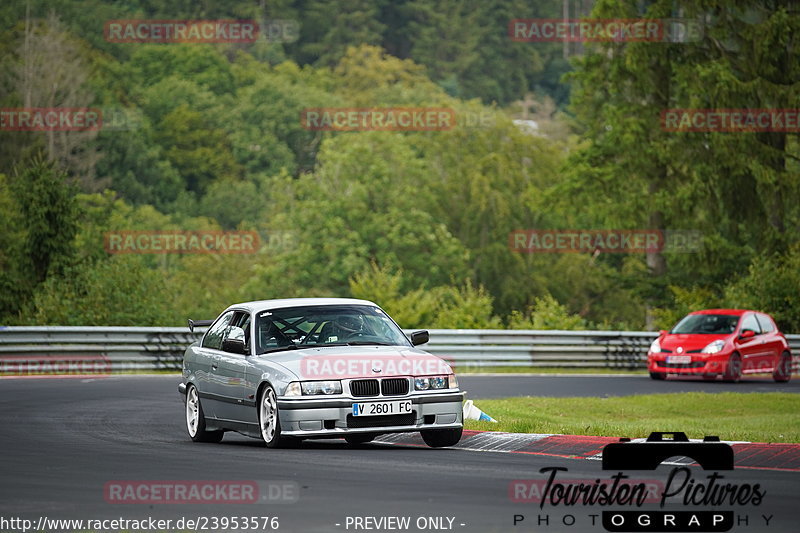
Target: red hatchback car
<point>721,342</point>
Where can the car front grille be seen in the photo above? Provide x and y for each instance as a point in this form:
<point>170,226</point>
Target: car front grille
<point>394,386</point>
<point>362,388</point>
<point>365,388</point>
<point>694,364</point>
<point>408,419</point>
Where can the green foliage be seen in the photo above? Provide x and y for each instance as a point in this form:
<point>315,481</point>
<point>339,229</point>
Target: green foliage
<point>121,291</point>
<point>685,300</point>
<point>48,211</point>
<point>445,307</point>
<point>772,285</point>
<point>135,166</point>
<point>200,152</point>
<point>15,282</point>
<point>219,144</point>
<point>546,313</point>
<point>204,65</point>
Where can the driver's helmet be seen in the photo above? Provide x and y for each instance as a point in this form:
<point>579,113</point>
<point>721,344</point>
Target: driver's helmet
<point>350,323</point>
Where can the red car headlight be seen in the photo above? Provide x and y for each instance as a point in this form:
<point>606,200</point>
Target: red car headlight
<point>655,347</point>
<point>714,347</point>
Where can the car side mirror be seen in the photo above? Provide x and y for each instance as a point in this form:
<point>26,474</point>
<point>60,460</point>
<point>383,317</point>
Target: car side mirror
<point>420,337</point>
<point>747,333</point>
<point>234,341</point>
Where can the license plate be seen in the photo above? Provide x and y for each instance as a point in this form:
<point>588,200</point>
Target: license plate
<point>402,407</point>
<point>679,359</point>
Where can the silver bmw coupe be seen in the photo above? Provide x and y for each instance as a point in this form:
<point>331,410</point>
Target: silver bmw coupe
<point>286,370</point>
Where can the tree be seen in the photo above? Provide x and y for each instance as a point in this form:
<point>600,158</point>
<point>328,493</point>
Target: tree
<point>768,286</point>
<point>200,152</point>
<point>46,201</point>
<point>52,72</point>
<point>483,183</point>
<point>462,306</point>
<point>330,27</point>
<point>120,291</point>
<point>39,216</point>
<point>546,313</point>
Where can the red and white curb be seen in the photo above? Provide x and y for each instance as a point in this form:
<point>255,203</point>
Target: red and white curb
<point>752,455</point>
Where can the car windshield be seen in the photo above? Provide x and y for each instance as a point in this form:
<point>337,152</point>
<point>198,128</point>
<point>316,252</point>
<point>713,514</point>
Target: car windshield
<point>328,325</point>
<point>708,324</point>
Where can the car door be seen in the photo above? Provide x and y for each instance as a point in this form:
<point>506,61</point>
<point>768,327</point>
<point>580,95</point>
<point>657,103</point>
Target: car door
<point>208,355</point>
<point>229,372</point>
<point>751,349</point>
<point>772,342</point>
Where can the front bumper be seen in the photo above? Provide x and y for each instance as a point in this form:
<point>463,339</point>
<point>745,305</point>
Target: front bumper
<point>304,417</point>
<point>700,364</point>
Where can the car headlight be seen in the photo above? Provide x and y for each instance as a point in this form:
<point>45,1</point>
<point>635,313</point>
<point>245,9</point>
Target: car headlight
<point>293,389</point>
<point>714,347</point>
<point>655,347</point>
<point>453,380</point>
<point>436,382</point>
<point>312,388</point>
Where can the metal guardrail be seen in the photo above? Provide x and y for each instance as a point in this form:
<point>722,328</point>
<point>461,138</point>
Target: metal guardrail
<point>119,349</point>
<point>541,348</point>
<point>624,350</point>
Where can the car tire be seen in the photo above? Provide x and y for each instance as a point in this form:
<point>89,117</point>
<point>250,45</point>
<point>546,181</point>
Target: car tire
<point>360,438</point>
<point>733,370</point>
<point>658,376</point>
<point>783,372</point>
<point>196,420</point>
<point>440,438</point>
<point>269,421</point>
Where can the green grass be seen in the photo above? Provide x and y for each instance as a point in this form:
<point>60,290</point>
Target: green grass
<point>755,417</point>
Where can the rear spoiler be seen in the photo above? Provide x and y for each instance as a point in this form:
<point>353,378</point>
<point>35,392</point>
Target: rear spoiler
<point>199,324</point>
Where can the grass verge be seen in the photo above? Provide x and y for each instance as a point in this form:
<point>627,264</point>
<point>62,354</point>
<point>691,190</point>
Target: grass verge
<point>755,417</point>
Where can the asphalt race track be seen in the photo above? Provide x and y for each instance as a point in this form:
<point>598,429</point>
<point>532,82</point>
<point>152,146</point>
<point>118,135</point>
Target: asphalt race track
<point>65,441</point>
<point>503,386</point>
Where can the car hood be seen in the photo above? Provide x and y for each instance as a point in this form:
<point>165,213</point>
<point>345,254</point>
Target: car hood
<point>688,341</point>
<point>343,362</point>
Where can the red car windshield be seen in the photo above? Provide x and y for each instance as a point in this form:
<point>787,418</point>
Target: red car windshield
<point>706,324</point>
